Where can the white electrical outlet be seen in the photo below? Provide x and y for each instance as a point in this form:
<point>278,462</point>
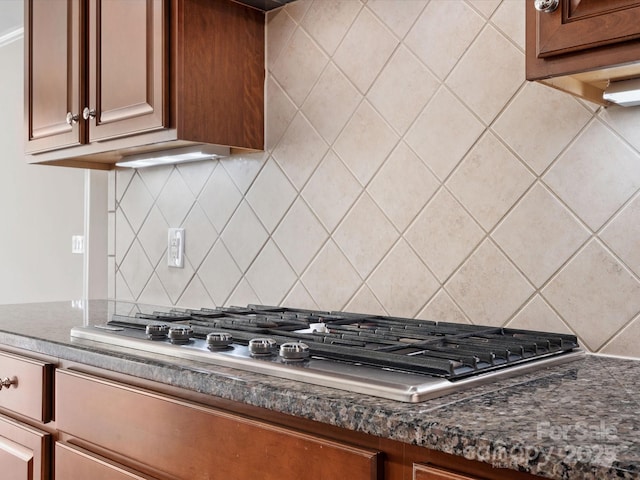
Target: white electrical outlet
<point>77,244</point>
<point>175,248</point>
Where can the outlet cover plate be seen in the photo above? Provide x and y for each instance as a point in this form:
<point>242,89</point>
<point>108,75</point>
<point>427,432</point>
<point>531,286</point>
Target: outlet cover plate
<point>175,248</point>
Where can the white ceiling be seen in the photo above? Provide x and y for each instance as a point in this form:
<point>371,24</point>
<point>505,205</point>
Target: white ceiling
<point>11,16</point>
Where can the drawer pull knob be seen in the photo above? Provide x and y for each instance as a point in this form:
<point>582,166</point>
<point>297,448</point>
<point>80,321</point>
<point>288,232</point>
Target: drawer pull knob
<point>7,382</point>
<point>88,113</point>
<point>72,119</point>
<point>546,6</point>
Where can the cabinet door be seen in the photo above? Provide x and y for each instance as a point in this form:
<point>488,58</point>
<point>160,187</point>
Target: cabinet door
<point>128,60</point>
<point>581,35</point>
<point>73,463</point>
<point>423,472</point>
<point>23,451</point>
<point>53,74</point>
<point>582,24</point>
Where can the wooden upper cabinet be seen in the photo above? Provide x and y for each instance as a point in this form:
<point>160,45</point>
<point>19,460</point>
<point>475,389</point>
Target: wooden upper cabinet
<point>583,45</point>
<point>53,74</point>
<point>128,67</point>
<point>137,76</point>
<point>583,24</point>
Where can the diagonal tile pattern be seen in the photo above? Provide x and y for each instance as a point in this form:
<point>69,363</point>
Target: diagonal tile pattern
<point>329,21</point>
<point>136,203</point>
<point>300,235</point>
<point>488,287</point>
<point>244,236</point>
<point>444,133</point>
<point>402,186</point>
<point>622,235</point>
<point>403,291</point>
<point>539,235</point>
<point>596,175</point>
<point>365,142</point>
<point>299,65</point>
<point>219,198</point>
<point>259,275</point>
<point>595,292</point>
<point>409,170</point>
<point>362,65</point>
<point>331,103</point>
<point>488,74</point>
<point>444,234</point>
<point>443,33</point>
<point>300,150</point>
<point>175,199</point>
<point>402,89</point>
<point>365,235</point>
<point>489,181</point>
<point>271,195</point>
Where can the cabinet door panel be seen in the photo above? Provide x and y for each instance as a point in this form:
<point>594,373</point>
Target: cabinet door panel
<point>53,74</point>
<point>75,464</point>
<point>16,461</point>
<point>127,67</point>
<point>163,433</point>
<point>24,451</point>
<point>583,24</point>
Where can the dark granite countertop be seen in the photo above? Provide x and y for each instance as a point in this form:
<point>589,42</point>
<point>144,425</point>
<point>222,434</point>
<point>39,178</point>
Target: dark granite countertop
<point>575,421</point>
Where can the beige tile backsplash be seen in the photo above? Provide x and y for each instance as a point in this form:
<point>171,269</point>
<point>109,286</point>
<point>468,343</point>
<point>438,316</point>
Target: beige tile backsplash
<point>410,170</point>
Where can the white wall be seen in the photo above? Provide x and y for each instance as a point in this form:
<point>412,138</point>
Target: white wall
<point>40,207</point>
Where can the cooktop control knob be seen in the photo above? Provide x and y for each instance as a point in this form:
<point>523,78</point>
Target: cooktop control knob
<point>180,335</point>
<point>219,340</point>
<point>262,347</point>
<point>294,351</point>
<point>157,332</point>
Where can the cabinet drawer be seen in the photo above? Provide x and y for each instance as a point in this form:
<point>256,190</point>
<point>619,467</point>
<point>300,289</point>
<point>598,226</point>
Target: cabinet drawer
<point>193,442</point>
<point>424,472</point>
<point>76,464</point>
<point>31,393</point>
<point>24,451</point>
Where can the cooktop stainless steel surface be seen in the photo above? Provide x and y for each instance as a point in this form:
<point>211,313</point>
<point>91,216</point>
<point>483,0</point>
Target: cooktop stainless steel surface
<point>396,358</point>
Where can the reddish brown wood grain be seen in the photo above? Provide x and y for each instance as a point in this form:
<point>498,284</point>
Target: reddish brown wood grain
<point>187,441</point>
<point>73,463</point>
<point>219,72</point>
<point>128,68</point>
<point>53,79</point>
<point>159,74</point>
<point>31,395</point>
<point>581,36</point>
<point>425,472</point>
<point>398,457</point>
<point>24,451</point>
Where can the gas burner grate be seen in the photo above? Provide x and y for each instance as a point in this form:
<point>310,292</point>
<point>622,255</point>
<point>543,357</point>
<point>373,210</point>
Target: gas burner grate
<point>444,349</point>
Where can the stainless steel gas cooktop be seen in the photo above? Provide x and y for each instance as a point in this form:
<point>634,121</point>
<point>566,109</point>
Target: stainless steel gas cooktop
<point>396,358</point>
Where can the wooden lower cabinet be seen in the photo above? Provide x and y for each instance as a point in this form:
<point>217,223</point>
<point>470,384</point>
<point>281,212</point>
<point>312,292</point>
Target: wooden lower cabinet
<point>175,439</point>
<point>425,472</point>
<point>24,451</point>
<point>112,426</point>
